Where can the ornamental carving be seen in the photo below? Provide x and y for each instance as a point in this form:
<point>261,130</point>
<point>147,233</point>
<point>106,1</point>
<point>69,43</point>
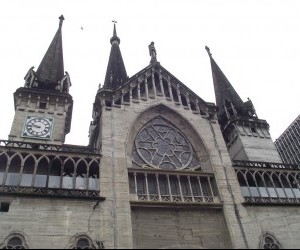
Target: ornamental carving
<point>160,145</point>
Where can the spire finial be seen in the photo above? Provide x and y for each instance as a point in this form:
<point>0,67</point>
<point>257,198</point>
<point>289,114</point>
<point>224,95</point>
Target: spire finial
<point>115,37</point>
<point>208,51</point>
<point>61,18</point>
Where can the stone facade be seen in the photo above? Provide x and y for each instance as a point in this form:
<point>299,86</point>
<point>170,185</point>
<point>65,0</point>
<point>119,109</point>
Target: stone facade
<point>161,171</point>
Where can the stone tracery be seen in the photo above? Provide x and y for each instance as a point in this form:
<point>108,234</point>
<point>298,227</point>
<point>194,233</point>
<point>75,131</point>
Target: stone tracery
<point>160,145</point>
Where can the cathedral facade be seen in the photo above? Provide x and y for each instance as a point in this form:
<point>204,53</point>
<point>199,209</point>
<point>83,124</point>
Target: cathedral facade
<point>163,168</point>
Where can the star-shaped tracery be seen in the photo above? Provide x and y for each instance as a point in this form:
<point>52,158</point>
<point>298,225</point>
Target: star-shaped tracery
<point>160,145</point>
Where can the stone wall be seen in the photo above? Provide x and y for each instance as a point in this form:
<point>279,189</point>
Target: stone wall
<point>155,228</point>
<point>51,223</point>
<point>283,222</point>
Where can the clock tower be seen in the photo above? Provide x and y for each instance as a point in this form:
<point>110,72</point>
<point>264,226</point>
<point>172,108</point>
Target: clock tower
<point>44,106</point>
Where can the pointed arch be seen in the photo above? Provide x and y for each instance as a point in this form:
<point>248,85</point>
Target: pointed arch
<point>55,173</point>
<point>81,174</point>
<point>83,241</point>
<point>271,187</point>
<point>68,174</point>
<point>243,183</point>
<point>294,183</point>
<point>278,185</point>
<point>94,176</point>
<point>176,120</point>
<point>27,172</point>
<point>15,240</point>
<point>268,241</point>
<point>3,166</point>
<point>253,186</point>
<point>14,170</point>
<point>42,171</point>
<point>263,191</point>
<point>287,185</point>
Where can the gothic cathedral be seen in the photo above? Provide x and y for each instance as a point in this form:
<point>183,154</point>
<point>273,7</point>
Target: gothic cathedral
<point>163,168</point>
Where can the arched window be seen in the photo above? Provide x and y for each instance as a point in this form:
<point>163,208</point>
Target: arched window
<point>41,173</point>
<point>94,183</point>
<point>14,241</point>
<point>160,145</point>
<point>269,242</point>
<point>84,242</point>
<point>3,165</point>
<point>55,174</point>
<point>81,176</point>
<point>28,171</point>
<point>13,176</point>
<point>68,174</point>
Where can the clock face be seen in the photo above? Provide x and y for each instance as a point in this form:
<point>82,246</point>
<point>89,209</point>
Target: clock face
<point>38,127</point>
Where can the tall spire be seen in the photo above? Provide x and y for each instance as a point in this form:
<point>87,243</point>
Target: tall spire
<point>116,74</point>
<point>227,99</point>
<point>51,69</point>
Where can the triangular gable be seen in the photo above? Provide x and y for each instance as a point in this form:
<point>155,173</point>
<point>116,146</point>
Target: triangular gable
<point>155,80</point>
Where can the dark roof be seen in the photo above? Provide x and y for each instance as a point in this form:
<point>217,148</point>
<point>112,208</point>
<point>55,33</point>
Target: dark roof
<point>224,91</point>
<point>51,69</point>
<point>116,74</point>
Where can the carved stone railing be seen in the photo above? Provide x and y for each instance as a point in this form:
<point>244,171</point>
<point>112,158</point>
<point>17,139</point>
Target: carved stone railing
<point>172,188</point>
<point>39,170</point>
<point>266,165</point>
<point>49,147</point>
<point>268,200</point>
<point>264,183</point>
<point>51,193</point>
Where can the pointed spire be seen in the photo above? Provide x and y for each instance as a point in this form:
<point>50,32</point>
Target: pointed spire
<point>227,99</point>
<point>51,69</point>
<point>116,74</point>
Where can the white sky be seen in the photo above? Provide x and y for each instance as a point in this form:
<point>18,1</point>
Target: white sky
<point>255,42</point>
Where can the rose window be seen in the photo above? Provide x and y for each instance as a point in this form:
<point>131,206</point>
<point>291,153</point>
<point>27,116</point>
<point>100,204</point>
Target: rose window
<point>160,145</point>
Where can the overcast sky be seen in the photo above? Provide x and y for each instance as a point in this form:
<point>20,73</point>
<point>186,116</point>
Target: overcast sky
<point>255,42</point>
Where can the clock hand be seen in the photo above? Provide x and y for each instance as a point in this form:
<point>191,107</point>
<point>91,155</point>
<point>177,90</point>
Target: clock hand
<point>36,126</point>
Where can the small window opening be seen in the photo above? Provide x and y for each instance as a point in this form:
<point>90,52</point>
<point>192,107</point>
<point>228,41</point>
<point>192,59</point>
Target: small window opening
<point>143,91</point>
<point>175,95</point>
<point>184,100</point>
<point>135,95</point>
<point>202,112</point>
<point>157,85</point>
<point>127,97</point>
<point>166,88</point>
<point>253,130</point>
<point>118,101</point>
<point>43,105</point>
<point>108,103</point>
<point>193,106</point>
<point>4,207</point>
